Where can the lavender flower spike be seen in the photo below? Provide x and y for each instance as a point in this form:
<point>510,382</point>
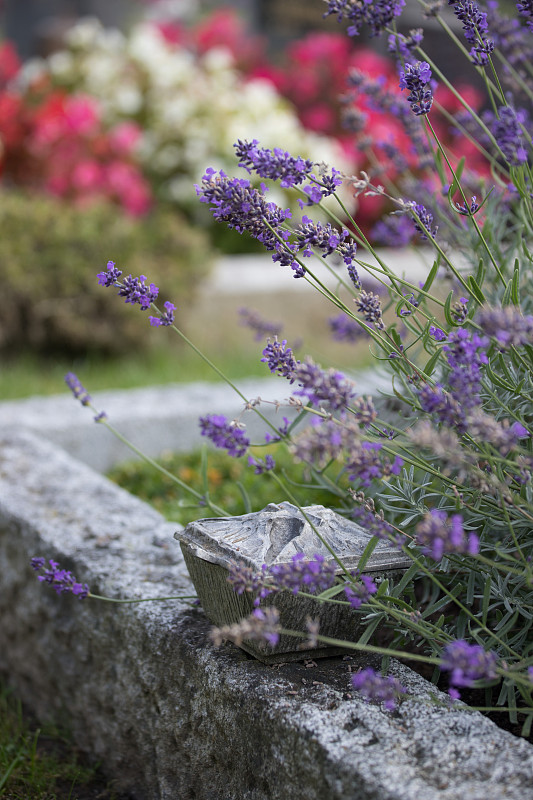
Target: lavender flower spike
<point>383,689</point>
<point>416,77</point>
<point>508,134</point>
<point>166,318</point>
<point>62,581</point>
<point>262,625</point>
<point>331,388</point>
<point>110,277</point>
<point>77,389</point>
<point>280,359</point>
<point>274,164</point>
<point>377,14</point>
<point>439,534</point>
<point>468,663</point>
<point>303,575</point>
<point>224,434</point>
<point>475,28</point>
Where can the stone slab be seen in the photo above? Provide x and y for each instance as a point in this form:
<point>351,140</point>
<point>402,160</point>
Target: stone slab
<point>172,718</point>
<point>155,419</point>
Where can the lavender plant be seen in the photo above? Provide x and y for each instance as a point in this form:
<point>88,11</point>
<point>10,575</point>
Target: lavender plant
<point>448,478</point>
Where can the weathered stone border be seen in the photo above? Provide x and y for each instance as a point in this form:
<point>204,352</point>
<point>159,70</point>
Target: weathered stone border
<point>155,418</point>
<point>170,717</point>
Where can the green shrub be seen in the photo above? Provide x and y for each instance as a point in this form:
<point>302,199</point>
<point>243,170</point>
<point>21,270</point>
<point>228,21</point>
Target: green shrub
<point>50,253</point>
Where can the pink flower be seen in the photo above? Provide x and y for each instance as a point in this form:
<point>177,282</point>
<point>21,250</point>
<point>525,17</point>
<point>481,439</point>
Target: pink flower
<point>81,115</point>
<point>125,137</point>
<point>87,176</point>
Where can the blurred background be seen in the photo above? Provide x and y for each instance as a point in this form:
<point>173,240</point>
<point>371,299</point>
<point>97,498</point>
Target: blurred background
<point>109,114</point>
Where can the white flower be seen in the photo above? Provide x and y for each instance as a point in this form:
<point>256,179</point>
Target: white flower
<point>128,99</point>
<point>85,33</point>
<point>61,63</point>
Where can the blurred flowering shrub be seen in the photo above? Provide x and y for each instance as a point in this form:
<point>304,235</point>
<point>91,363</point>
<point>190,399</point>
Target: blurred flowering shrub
<point>185,93</point>
<point>57,143</point>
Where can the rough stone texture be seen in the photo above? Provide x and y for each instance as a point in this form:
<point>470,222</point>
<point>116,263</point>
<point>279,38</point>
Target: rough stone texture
<point>142,688</point>
<point>154,419</point>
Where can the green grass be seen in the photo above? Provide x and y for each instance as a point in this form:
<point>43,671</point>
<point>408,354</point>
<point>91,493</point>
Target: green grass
<point>231,483</point>
<point>213,325</point>
<point>41,763</point>
<point>29,375</point>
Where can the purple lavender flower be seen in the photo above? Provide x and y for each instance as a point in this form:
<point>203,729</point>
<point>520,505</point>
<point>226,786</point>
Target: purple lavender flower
<point>377,14</point>
<point>468,211</point>
<point>465,361</point>
<point>261,626</point>
<point>353,275</point>
<point>282,432</point>
<point>416,77</point>
<point>508,134</point>
<point>383,689</point>
<point>331,388</point>
<point>319,444</point>
<point>437,333</point>
<point>135,290</point>
<point>312,575</point>
<point>261,465</point>
<point>377,526</point>
<point>402,46</point>
<point>235,202</point>
<point>439,534</point>
<point>62,581</point>
<point>435,400</point>
<point>346,329</point>
<point>245,579</point>
<point>468,663</point>
<point>274,164</point>
<point>226,435</point>
<point>279,165</point>
<point>262,327</point>
<point>525,10</point>
<point>328,182</point>
<point>394,230</point>
<point>459,310</point>
<point>365,464</point>
<point>500,434</point>
<point>303,575</point>
<point>77,389</point>
<point>412,304</point>
<point>360,591</point>
<point>369,305</point>
<point>507,326</point>
<point>475,28</point>
<point>280,359</point>
<point>423,222</point>
<point>311,234</point>
<point>110,277</point>
<point>166,318</point>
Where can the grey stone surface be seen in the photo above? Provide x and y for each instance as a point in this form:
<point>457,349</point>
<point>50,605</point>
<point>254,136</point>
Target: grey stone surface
<point>172,718</point>
<point>243,274</point>
<point>278,532</point>
<point>154,419</point>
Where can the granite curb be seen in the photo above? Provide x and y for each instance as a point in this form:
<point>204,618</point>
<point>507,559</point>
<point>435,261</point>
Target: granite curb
<point>172,718</point>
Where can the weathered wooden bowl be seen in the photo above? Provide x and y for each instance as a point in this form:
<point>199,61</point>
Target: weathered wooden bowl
<point>273,536</point>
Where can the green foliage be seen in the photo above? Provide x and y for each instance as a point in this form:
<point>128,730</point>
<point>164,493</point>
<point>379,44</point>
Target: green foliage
<point>51,300</point>
<point>41,763</point>
<point>230,482</point>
